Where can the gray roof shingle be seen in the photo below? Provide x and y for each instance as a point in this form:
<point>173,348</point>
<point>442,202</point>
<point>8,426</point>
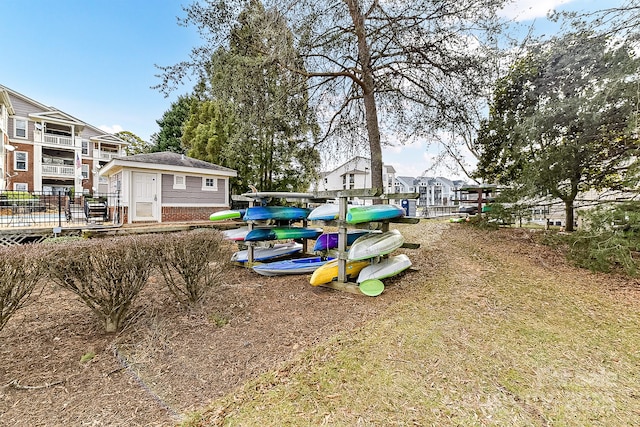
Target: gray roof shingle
<point>173,159</point>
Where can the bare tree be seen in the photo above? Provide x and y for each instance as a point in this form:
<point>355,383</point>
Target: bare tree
<point>622,20</point>
<point>379,72</point>
<point>21,269</point>
<point>191,263</point>
<point>106,274</point>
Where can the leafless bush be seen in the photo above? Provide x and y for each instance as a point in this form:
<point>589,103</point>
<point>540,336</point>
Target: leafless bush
<point>191,262</point>
<point>21,268</point>
<point>106,274</point>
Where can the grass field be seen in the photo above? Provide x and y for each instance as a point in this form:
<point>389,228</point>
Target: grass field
<point>495,330</point>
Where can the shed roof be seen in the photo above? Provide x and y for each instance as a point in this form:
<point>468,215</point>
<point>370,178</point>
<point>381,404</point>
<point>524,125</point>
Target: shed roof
<point>165,160</point>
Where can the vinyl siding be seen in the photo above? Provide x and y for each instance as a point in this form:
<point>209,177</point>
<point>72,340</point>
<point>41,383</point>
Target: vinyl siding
<point>22,110</point>
<point>193,193</point>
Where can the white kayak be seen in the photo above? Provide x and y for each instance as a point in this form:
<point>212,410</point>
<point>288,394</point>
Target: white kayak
<point>236,234</point>
<point>388,267</point>
<point>326,212</point>
<point>375,244</point>
<point>260,253</point>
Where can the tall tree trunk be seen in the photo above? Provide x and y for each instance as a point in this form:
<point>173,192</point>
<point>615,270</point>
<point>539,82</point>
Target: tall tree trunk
<point>367,84</point>
<point>568,215</point>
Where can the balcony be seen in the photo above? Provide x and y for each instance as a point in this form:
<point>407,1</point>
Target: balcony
<point>65,141</point>
<point>106,155</point>
<point>62,171</point>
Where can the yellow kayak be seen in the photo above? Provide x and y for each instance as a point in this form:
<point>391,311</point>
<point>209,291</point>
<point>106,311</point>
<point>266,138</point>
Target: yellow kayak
<point>329,271</point>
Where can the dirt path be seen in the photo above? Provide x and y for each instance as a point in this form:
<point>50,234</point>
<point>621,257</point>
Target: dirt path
<point>170,360</point>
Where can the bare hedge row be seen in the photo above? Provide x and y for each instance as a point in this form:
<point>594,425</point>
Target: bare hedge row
<point>108,274</point>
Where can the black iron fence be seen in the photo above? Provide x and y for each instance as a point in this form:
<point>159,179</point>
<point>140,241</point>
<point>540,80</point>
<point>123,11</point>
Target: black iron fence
<point>42,209</point>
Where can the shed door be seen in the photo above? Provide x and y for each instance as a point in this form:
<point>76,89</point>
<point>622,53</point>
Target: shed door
<point>145,197</point>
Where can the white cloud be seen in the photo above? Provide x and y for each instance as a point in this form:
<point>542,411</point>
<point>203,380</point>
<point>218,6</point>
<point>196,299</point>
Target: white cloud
<point>524,10</point>
<point>111,129</point>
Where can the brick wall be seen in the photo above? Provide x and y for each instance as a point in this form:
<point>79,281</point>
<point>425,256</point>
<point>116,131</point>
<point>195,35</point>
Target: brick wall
<point>176,214</point>
<point>173,214</point>
<point>21,176</point>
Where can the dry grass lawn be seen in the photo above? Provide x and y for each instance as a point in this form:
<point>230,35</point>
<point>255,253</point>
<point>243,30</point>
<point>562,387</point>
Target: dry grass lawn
<point>494,330</point>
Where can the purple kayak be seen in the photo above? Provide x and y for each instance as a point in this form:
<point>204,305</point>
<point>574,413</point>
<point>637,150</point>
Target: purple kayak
<point>330,240</point>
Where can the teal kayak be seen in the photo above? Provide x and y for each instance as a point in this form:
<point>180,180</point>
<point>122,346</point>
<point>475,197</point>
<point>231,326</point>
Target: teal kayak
<point>358,214</point>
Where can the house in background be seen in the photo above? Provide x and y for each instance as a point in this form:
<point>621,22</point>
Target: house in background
<point>405,184</point>
<point>166,187</point>
<point>434,191</point>
<point>355,173</point>
<point>47,150</point>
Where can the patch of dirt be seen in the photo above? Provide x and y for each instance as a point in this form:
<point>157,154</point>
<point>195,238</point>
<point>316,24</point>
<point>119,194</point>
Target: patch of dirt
<point>170,360</point>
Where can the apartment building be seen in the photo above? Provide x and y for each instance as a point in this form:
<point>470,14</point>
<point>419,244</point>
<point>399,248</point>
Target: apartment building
<point>47,150</point>
<point>355,173</point>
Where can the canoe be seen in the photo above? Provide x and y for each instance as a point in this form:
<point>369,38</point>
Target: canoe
<point>282,233</point>
<point>290,266</point>
<point>330,240</point>
<point>388,267</point>
<point>236,234</point>
<point>329,271</point>
<point>226,214</point>
<point>261,254</point>
<point>258,213</point>
<point>375,244</point>
<point>358,214</point>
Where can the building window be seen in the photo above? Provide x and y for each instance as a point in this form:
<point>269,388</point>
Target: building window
<point>210,184</point>
<point>179,182</point>
<point>85,171</point>
<point>20,186</point>
<point>20,126</point>
<point>20,160</point>
<point>85,147</point>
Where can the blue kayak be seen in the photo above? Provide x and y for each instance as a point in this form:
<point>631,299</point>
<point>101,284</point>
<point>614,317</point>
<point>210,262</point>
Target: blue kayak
<point>260,213</point>
<point>291,266</point>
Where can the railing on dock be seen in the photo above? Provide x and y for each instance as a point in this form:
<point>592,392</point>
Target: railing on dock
<point>44,209</point>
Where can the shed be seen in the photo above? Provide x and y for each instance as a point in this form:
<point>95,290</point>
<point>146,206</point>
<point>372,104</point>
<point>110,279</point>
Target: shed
<point>167,187</point>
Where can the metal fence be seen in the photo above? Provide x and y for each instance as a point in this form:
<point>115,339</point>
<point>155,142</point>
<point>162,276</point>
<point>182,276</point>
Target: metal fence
<point>42,209</point>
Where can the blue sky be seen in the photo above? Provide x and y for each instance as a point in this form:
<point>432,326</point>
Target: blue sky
<point>94,59</point>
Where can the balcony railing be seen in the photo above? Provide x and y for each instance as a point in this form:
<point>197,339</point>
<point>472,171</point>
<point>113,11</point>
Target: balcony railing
<point>59,170</point>
<point>66,141</point>
<point>107,155</point>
